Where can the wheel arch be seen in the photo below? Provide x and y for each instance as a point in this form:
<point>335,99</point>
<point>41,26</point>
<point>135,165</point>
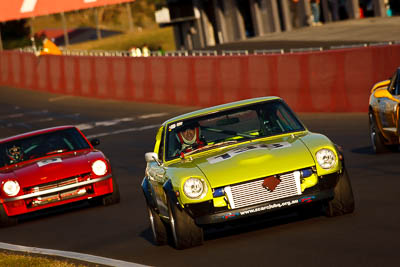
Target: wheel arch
<point>148,193</point>
<point>170,193</point>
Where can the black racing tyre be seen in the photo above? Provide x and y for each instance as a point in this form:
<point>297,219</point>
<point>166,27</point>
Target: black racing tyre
<point>185,232</point>
<point>343,201</point>
<point>378,145</point>
<point>114,197</point>
<point>158,227</point>
<point>109,199</point>
<point>5,220</point>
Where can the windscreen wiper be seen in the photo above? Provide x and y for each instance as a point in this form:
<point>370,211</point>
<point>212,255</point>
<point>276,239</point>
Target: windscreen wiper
<point>207,147</point>
<point>228,132</point>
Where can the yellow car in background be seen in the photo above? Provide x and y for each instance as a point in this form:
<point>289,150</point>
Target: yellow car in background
<point>384,105</point>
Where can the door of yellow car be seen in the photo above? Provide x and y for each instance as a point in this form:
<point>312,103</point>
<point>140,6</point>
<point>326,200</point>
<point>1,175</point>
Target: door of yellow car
<point>388,103</point>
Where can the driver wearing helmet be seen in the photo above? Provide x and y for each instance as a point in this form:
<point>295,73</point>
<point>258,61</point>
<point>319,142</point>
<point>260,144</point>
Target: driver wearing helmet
<point>14,154</point>
<point>189,138</point>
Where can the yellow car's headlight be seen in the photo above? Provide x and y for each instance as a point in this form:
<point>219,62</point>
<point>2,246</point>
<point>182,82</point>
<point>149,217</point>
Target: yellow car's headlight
<point>326,158</point>
<point>195,188</point>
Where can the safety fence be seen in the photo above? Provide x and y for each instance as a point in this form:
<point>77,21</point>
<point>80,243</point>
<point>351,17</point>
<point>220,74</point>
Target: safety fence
<point>120,53</point>
<point>337,80</point>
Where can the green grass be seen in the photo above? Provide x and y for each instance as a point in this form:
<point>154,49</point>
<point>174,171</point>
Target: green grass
<point>10,260</point>
<point>111,17</point>
<point>115,17</point>
<point>154,38</point>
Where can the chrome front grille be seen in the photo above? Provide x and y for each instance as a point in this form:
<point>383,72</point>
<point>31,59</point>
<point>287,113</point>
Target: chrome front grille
<point>252,193</point>
<point>62,189</point>
<point>56,184</point>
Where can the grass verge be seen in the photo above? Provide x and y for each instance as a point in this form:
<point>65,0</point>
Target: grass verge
<point>154,38</point>
<point>10,259</point>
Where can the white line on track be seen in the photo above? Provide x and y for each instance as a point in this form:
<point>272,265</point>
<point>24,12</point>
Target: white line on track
<point>53,99</point>
<point>91,125</point>
<point>154,115</point>
<point>71,255</point>
<point>135,129</point>
<point>12,116</point>
<point>19,115</point>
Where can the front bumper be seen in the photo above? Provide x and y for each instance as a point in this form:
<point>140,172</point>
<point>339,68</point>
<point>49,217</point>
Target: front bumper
<point>204,213</point>
<point>58,195</point>
<point>263,208</point>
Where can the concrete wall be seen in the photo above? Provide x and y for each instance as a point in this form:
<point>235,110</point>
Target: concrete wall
<point>326,81</point>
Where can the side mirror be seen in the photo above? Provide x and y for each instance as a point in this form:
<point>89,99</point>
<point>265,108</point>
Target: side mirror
<point>151,157</point>
<point>95,142</point>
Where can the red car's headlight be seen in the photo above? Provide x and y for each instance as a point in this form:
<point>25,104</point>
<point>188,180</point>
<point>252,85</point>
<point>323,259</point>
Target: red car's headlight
<point>99,167</point>
<point>11,188</point>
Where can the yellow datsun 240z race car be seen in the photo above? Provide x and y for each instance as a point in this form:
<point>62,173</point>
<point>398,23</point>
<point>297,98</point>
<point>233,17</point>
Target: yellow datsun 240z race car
<point>384,109</point>
<point>238,160</point>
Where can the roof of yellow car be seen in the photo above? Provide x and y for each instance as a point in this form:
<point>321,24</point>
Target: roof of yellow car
<point>380,84</point>
<point>221,107</point>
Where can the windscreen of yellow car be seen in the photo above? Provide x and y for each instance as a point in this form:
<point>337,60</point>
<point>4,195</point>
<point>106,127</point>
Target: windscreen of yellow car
<point>230,126</point>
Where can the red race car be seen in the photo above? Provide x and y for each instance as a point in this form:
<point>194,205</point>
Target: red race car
<point>52,167</point>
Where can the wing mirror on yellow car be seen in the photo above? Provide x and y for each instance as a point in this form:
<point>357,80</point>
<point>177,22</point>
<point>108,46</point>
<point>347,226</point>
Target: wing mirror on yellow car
<point>151,157</point>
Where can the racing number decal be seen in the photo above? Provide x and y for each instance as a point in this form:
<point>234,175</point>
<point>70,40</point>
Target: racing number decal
<point>278,145</point>
<point>237,151</point>
<point>48,161</point>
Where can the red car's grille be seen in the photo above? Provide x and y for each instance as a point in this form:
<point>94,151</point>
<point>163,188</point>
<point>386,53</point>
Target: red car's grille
<point>60,195</point>
<point>59,183</point>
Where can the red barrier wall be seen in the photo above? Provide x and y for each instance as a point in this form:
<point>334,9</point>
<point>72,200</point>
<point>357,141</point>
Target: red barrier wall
<point>327,81</point>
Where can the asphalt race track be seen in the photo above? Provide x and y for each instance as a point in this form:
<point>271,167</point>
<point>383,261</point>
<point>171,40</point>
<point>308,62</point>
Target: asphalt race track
<point>369,237</point>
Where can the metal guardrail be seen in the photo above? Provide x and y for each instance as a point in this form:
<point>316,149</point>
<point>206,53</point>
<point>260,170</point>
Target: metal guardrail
<point>380,44</point>
<point>347,46</point>
<point>27,49</point>
<point>307,49</point>
<point>235,52</point>
<point>184,53</point>
<point>204,53</point>
<point>268,51</point>
<point>178,53</point>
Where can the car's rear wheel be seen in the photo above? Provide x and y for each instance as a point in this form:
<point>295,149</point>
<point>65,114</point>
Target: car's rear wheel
<point>343,201</point>
<point>185,232</point>
<point>158,227</point>
<point>6,220</point>
<point>376,137</point>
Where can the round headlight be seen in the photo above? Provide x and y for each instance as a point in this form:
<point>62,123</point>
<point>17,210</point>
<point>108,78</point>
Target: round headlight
<point>11,188</point>
<point>99,167</point>
<point>194,188</point>
<point>326,158</point>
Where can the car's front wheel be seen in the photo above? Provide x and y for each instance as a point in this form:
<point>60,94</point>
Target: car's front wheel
<point>185,232</point>
<point>5,220</point>
<point>376,137</point>
<point>158,227</point>
<point>343,201</point>
<point>109,199</point>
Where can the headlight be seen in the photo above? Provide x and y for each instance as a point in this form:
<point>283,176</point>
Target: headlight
<point>11,188</point>
<point>194,188</point>
<point>99,167</point>
<point>326,158</point>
